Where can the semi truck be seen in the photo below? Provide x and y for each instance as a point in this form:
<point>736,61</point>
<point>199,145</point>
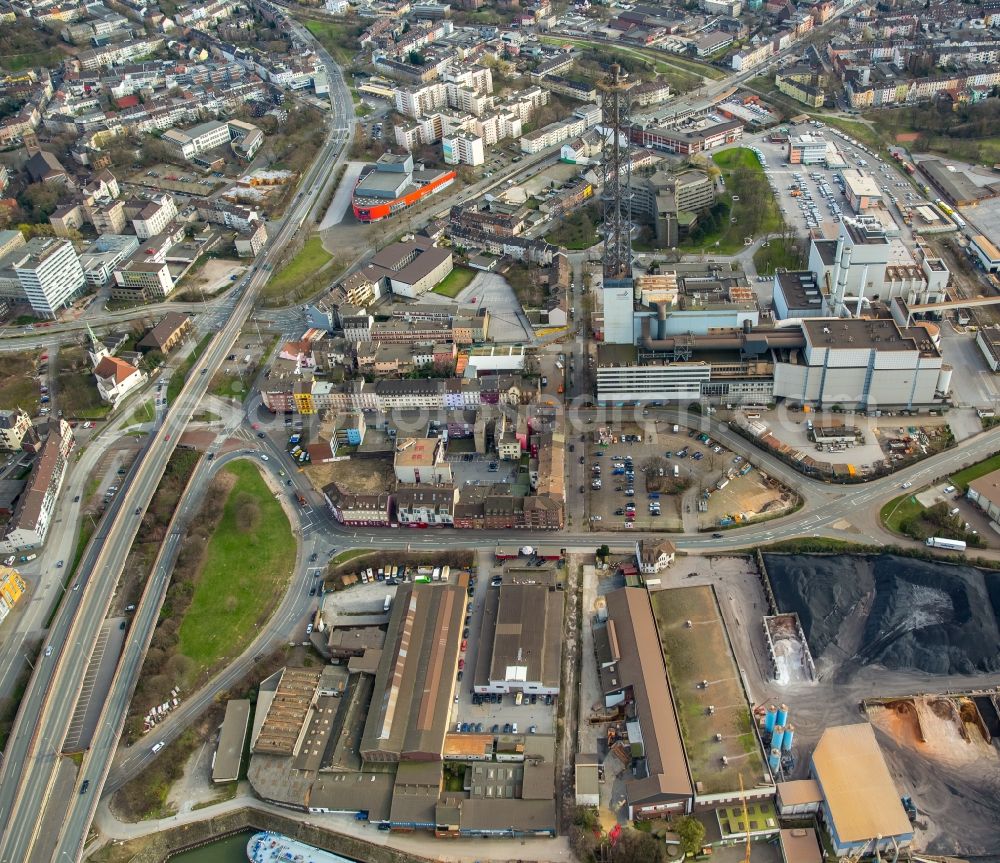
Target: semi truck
<point>942,542</point>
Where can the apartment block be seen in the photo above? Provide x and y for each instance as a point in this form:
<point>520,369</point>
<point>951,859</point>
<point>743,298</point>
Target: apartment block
<point>29,524</point>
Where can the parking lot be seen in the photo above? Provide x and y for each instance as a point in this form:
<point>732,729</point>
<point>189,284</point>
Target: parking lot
<point>822,202</point>
<point>665,463</point>
<point>674,478</point>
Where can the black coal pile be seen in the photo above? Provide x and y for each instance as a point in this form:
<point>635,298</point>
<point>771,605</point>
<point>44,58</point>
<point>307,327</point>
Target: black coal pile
<point>897,612</point>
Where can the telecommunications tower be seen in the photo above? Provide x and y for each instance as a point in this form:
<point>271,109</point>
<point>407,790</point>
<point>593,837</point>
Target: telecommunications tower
<point>617,176</point>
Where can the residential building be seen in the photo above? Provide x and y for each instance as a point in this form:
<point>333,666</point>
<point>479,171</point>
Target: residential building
<point>15,426</point>
<point>154,217</point>
<point>116,379</point>
<point>426,505</point>
<point>29,524</point>
<point>141,280</point>
<point>803,84</point>
<point>251,242</point>
<point>421,460</point>
<point>102,257</point>
<point>358,509</point>
<point>653,556</point>
<point>463,148</point>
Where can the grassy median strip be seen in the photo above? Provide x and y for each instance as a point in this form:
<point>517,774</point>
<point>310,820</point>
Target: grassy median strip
<point>246,567</point>
<point>176,383</point>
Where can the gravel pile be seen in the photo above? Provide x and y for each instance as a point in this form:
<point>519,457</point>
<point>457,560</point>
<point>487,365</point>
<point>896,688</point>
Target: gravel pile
<point>896,612</point>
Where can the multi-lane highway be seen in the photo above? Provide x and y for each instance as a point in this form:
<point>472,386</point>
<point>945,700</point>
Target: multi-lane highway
<point>31,761</point>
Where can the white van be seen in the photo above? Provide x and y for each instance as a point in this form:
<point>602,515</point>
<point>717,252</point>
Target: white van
<point>158,746</point>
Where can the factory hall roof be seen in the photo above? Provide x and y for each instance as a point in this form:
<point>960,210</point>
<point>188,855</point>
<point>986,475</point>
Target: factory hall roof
<point>636,646</point>
<point>862,799</point>
<point>411,702</point>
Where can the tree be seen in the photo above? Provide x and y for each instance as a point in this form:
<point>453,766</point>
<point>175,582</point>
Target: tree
<point>691,832</point>
<point>40,200</point>
<point>603,552</point>
<point>635,846</point>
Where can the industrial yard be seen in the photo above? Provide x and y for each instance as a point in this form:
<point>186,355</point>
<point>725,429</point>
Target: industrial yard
<point>903,614</point>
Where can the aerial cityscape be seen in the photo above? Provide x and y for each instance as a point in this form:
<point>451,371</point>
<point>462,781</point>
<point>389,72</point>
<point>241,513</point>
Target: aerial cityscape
<point>528,430</point>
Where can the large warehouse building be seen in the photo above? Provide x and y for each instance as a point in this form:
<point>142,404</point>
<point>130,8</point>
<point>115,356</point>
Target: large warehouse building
<point>861,806</point>
<point>415,681</point>
<point>522,627</point>
<point>632,672</point>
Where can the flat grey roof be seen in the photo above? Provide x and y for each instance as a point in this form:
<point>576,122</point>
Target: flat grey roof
<point>527,640</point>
<point>229,755</point>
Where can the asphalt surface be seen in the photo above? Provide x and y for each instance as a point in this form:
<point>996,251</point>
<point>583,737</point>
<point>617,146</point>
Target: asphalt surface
<point>30,762</point>
<point>31,759</point>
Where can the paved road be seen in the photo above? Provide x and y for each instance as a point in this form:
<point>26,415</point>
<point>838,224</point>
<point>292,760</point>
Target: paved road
<point>30,765</point>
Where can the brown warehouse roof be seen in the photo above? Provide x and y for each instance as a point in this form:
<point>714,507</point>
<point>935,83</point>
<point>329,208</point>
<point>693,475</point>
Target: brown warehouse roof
<point>636,645</point>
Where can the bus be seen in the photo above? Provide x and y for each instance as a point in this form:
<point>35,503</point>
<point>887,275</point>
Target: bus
<point>942,542</point>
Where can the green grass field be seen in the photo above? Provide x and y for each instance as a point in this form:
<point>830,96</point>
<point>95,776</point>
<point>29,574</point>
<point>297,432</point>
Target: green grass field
<point>964,477</point>
<point>247,564</point>
<point>337,37</point>
<point>144,413</point>
<point>18,387</point>
<point>662,61</point>
<point>755,214</point>
<point>77,389</point>
<point>860,131</point>
<point>289,281</point>
<point>452,284</point>
<point>353,553</point>
<point>738,157</point>
<point>779,253</point>
<point>896,511</point>
<point>176,383</point>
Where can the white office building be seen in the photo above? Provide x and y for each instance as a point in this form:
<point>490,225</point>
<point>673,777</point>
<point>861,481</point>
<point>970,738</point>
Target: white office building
<point>49,274</point>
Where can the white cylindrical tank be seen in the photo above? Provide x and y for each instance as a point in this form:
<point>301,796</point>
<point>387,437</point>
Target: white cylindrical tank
<point>944,379</point>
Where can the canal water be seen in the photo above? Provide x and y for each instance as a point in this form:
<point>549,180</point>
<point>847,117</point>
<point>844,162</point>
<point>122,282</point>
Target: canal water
<point>232,849</point>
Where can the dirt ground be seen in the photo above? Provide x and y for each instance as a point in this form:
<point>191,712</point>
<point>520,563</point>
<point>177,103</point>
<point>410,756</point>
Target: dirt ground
<point>745,499</point>
<point>361,475</point>
<point>215,275</point>
<point>961,816</point>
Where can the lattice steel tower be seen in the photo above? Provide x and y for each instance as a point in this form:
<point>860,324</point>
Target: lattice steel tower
<point>617,176</point>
